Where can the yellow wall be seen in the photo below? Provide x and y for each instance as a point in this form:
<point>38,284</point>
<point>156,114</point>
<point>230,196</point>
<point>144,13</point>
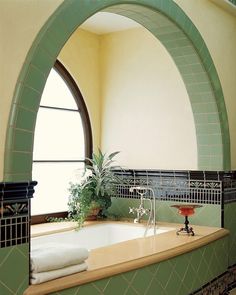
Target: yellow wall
<point>20,22</point>
<point>146,110</point>
<point>81,57</point>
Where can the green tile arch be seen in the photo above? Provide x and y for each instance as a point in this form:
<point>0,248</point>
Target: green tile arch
<point>164,19</point>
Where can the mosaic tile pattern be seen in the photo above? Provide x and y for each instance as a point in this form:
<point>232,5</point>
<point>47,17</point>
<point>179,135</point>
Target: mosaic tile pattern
<point>172,27</point>
<point>178,276</point>
<point>230,223</point>
<point>14,269</point>
<point>220,285</point>
<point>200,187</point>
<point>14,212</point>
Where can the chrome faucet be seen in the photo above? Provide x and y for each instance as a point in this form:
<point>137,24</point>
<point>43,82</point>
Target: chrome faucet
<point>140,210</point>
<point>142,191</point>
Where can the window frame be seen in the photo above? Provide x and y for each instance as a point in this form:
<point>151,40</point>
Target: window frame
<point>82,109</point>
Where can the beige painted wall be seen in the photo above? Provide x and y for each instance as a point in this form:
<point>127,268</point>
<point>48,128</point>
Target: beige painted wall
<point>218,29</point>
<point>146,109</point>
<point>20,21</point>
<point>81,56</point>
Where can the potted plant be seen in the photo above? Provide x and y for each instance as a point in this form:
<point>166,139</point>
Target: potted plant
<point>92,196</point>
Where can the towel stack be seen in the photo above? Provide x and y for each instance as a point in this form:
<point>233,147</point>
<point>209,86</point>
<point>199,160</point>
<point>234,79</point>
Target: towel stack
<point>51,261</point>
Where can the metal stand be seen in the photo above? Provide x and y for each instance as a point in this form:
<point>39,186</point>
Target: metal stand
<point>186,230</point>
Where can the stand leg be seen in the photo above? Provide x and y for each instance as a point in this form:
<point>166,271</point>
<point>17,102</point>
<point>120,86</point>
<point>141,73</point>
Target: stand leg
<point>187,230</point>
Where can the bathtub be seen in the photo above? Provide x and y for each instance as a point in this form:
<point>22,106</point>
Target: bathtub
<point>98,235</point>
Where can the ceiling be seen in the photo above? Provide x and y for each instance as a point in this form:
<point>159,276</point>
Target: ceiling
<point>105,22</point>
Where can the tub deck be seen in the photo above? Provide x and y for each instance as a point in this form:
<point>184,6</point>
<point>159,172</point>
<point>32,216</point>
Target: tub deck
<point>129,255</point>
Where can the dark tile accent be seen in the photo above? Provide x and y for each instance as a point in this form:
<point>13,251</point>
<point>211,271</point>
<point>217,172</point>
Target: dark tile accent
<point>220,285</point>
<point>206,187</point>
<point>15,212</point>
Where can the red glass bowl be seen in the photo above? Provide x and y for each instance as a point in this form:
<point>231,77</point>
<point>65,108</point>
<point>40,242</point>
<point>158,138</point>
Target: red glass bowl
<point>186,210</point>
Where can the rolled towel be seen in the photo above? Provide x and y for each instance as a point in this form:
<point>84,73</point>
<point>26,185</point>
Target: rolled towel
<point>40,277</point>
<point>53,256</point>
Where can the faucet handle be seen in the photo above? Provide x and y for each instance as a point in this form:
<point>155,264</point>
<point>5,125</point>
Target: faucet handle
<point>146,211</point>
<point>131,210</point>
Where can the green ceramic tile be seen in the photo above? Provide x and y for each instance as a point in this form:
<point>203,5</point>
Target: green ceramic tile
<point>213,118</point>
<point>188,279</point>
<point>13,114</point>
<point>50,45</point>
<point>130,291</point>
<point>155,288</point>
<point>72,291</point>
<point>182,290</point>
<point>29,99</point>
<point>15,258</point>
<point>116,286</point>
<point>173,283</point>
<point>43,60</point>
<point>23,141</point>
<point>101,284</point>
<point>25,119</point>
<point>196,259</point>
<point>35,79</point>
<point>58,32</point>
<point>20,162</point>
<point>142,280</point>
<point>204,150</point>
<point>4,290</point>
<point>164,272</point>
<point>129,276</point>
<point>182,262</point>
<point>211,107</point>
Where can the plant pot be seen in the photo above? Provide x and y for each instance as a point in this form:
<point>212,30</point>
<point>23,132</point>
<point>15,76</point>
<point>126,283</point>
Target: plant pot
<point>93,214</point>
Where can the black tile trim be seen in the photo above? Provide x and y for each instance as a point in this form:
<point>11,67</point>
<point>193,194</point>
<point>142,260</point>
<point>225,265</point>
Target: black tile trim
<point>206,187</point>
<point>17,190</point>
<point>15,212</point>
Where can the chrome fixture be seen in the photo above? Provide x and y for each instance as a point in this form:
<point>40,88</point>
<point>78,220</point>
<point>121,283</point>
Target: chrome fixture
<point>142,191</point>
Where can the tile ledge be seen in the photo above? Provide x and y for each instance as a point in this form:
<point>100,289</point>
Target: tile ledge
<point>154,250</point>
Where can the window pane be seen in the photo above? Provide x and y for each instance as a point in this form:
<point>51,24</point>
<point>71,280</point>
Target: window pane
<point>56,93</point>
<point>51,193</point>
<point>58,135</point>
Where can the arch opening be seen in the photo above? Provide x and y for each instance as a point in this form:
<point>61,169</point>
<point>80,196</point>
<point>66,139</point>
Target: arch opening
<point>166,21</point>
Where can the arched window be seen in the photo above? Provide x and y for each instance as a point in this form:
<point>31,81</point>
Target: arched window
<point>62,141</point>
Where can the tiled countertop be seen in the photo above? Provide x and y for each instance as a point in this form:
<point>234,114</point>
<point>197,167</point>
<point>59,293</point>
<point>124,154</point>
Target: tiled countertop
<point>129,255</point>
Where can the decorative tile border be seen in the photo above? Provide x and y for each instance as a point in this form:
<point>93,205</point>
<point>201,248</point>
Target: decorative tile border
<point>220,285</point>
<point>15,212</point>
<point>202,187</point>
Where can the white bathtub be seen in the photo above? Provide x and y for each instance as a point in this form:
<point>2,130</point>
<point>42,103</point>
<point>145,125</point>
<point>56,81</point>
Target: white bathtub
<point>99,235</point>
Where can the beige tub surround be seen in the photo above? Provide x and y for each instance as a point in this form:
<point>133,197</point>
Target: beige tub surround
<point>122,257</point>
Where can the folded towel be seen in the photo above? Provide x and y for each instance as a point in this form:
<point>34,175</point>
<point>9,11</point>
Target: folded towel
<point>52,256</point>
<point>40,277</point>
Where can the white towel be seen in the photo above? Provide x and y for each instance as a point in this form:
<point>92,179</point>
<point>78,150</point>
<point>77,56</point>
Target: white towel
<point>52,256</point>
<point>40,277</point>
